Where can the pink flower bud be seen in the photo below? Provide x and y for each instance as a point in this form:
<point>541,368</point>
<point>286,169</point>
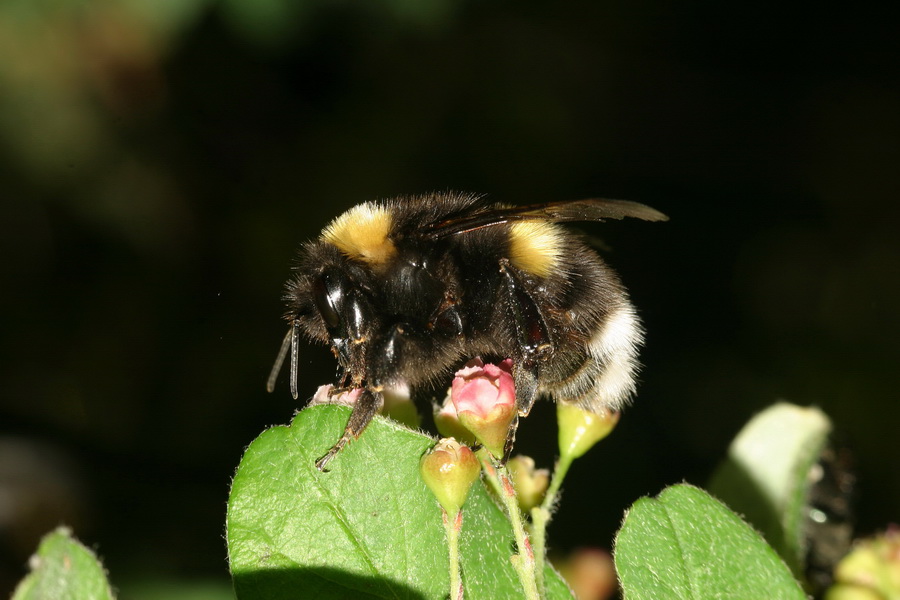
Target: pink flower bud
<point>485,399</point>
<point>449,470</point>
<point>580,429</point>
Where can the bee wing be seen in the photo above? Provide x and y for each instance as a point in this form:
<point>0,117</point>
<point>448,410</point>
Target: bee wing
<point>591,209</point>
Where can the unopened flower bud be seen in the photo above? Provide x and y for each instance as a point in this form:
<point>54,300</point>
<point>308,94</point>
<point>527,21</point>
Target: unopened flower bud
<point>530,483</point>
<point>590,573</point>
<point>395,402</point>
<point>324,395</point>
<point>872,567</point>
<point>842,591</point>
<point>485,399</point>
<point>449,470</point>
<point>446,420</point>
<point>579,429</point>
<point>399,406</point>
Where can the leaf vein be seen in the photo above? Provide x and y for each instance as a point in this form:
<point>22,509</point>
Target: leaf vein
<point>682,555</point>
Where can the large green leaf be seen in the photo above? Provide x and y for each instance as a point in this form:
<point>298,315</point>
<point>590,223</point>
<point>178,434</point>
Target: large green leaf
<point>63,569</point>
<point>368,528</point>
<point>684,544</point>
<point>766,476</point>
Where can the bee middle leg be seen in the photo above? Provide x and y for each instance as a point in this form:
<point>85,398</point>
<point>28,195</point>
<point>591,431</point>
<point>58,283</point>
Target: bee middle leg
<point>367,405</point>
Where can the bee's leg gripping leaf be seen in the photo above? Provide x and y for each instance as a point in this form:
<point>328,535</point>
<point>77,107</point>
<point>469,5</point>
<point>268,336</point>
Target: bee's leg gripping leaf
<point>367,405</point>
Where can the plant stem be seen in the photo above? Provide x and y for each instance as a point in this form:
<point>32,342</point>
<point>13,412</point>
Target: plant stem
<point>452,529</point>
<point>559,473</point>
<point>523,561</point>
<point>487,466</point>
<point>540,518</point>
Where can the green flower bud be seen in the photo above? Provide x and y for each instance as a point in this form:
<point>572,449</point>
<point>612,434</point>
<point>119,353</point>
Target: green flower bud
<point>449,470</point>
<point>873,566</point>
<point>579,429</point>
<point>851,592</point>
<point>530,483</point>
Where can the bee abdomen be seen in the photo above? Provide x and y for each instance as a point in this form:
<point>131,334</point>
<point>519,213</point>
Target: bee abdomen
<point>602,375</point>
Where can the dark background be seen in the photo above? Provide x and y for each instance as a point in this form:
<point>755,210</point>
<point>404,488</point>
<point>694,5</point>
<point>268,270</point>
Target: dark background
<point>160,162</point>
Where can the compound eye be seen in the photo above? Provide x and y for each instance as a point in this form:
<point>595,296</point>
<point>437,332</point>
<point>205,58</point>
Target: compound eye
<point>327,297</point>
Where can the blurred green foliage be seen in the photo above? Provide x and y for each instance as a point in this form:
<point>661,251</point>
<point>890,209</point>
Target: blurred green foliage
<point>160,161</point>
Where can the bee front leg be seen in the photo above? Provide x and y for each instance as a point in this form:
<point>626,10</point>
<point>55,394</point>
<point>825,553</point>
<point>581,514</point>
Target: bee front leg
<point>367,405</point>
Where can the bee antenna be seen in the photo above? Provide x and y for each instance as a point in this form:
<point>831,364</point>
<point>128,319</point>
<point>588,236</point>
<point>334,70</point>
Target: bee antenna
<point>295,345</point>
<point>279,360</point>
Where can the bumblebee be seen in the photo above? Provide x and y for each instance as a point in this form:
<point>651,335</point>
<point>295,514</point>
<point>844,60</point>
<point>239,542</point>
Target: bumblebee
<point>406,290</point>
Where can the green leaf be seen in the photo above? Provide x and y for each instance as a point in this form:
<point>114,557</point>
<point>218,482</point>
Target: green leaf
<point>63,569</point>
<point>684,544</point>
<point>368,528</point>
<point>766,475</point>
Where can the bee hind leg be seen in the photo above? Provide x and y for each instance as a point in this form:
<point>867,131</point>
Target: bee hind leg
<point>367,405</point>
